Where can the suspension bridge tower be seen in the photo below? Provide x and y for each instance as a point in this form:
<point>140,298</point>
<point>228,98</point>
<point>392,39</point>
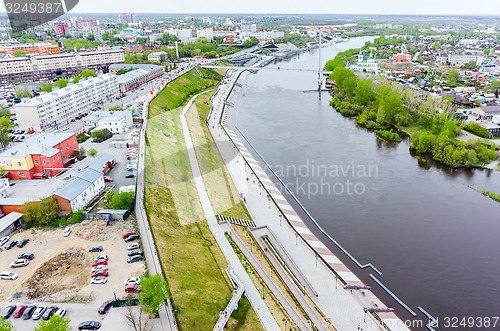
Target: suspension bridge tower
<point>320,69</point>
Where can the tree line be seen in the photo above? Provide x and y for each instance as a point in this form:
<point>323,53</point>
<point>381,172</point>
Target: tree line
<point>383,106</point>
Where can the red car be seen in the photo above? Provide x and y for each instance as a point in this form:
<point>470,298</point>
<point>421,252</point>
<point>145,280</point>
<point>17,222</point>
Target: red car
<point>132,288</point>
<point>127,234</point>
<point>108,179</point>
<point>19,311</point>
<point>98,273</point>
<point>99,262</point>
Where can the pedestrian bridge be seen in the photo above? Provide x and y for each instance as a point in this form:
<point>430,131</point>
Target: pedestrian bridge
<point>211,66</point>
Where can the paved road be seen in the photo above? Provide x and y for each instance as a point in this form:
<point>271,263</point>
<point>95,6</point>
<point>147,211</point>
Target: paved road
<point>266,318</point>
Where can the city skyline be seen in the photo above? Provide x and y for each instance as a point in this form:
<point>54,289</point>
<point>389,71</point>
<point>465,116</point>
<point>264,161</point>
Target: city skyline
<point>362,7</point>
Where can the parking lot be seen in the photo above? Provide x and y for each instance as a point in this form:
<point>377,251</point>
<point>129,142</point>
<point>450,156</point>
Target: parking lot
<point>60,272</point>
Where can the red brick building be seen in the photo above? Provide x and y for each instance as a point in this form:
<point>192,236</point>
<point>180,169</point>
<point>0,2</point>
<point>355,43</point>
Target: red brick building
<point>41,156</point>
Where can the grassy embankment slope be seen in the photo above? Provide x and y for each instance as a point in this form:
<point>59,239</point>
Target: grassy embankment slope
<point>193,263</point>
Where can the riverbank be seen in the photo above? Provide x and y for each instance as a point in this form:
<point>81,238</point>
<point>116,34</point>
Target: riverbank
<point>343,305</point>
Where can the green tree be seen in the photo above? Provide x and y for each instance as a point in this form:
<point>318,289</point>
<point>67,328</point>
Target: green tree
<point>5,125</point>
<point>75,79</point>
<point>91,37</point>
<point>364,92</point>
<point>41,212</point>
<point>92,152</point>
<point>6,325</point>
<point>19,53</point>
<point>116,108</point>
<point>471,65</point>
<point>88,73</point>
<point>123,200</point>
<point>453,76</point>
<point>55,323</point>
<point>47,87</point>
<point>494,86</point>
<point>154,292</point>
<point>23,93</point>
<point>61,83</point>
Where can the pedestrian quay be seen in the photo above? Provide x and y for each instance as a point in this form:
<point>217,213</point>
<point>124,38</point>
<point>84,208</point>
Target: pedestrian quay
<point>338,293</point>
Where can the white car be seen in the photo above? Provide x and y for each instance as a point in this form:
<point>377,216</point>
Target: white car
<point>60,312</point>
<point>3,240</point>
<point>67,231</point>
<point>101,257</point>
<point>8,275</point>
<point>133,246</point>
<point>133,280</point>
<point>38,312</point>
<point>99,280</point>
<point>19,263</point>
<point>99,268</point>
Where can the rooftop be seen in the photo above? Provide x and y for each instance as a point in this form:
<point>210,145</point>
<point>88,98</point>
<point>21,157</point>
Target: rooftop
<point>42,144</point>
<point>75,186</point>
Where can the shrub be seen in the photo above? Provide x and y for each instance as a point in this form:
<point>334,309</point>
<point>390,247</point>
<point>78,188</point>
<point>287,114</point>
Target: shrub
<point>388,136</point>
<point>477,129</point>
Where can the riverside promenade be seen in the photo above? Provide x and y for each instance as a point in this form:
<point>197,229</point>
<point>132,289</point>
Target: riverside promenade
<point>339,293</point>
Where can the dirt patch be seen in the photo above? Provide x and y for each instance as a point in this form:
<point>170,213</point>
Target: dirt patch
<point>59,278</point>
<point>91,230</point>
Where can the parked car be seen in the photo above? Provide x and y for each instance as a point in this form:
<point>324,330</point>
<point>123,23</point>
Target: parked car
<point>106,305</point>
<point>127,234</point>
<point>60,312</point>
<point>99,262</point>
<point>132,238</point>
<point>39,312</point>
<point>130,176</point>
<point>29,312</point>
<point>101,257</point>
<point>135,252</point>
<point>133,246</point>
<point>95,249</point>
<point>67,231</point>
<point>103,273</point>
<point>134,258</point>
<point>3,240</point>
<point>99,280</point>
<point>22,243</point>
<point>99,267</point>
<point>8,275</point>
<point>29,256</point>
<point>89,325</point>
<point>19,311</point>
<point>49,312</point>
<point>108,179</point>
<point>132,288</point>
<point>19,263</point>
<point>8,311</point>
<point>11,244</point>
<point>133,280</point>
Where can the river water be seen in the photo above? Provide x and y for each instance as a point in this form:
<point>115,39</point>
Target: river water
<point>434,238</point>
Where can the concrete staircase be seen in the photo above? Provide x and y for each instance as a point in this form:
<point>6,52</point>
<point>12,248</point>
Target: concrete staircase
<point>236,221</point>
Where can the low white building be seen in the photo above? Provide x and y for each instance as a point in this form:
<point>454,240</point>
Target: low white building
<point>59,107</point>
<point>114,121</point>
<point>157,56</point>
<point>79,191</point>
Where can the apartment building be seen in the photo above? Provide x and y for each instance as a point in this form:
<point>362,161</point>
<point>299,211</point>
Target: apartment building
<point>142,74</point>
<point>45,66</point>
<point>59,107</point>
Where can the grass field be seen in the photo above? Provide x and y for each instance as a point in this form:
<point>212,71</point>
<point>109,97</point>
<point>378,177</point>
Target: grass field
<point>192,261</point>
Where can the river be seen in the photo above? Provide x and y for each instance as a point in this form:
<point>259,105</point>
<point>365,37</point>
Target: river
<point>434,238</point>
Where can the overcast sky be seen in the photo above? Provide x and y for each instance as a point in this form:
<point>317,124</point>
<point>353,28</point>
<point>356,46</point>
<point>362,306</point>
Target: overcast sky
<point>434,7</point>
